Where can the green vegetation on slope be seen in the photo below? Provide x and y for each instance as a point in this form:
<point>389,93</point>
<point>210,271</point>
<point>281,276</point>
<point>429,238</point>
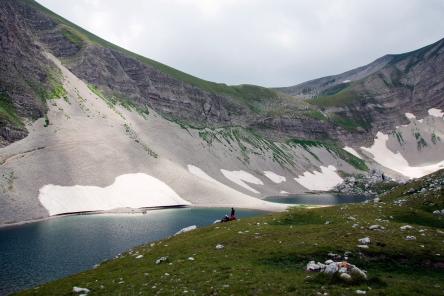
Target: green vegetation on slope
<point>341,98</point>
<point>316,114</point>
<point>112,100</point>
<point>267,255</point>
<point>350,124</point>
<point>77,35</point>
<point>248,142</point>
<point>51,89</point>
<point>7,111</point>
<point>332,148</point>
<point>334,89</point>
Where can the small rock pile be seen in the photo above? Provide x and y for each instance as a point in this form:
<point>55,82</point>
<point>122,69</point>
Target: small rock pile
<point>438,212</point>
<point>342,269</point>
<point>363,184</point>
<point>430,185</point>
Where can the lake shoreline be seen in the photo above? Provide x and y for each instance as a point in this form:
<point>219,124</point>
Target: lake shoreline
<point>138,211</point>
<point>37,253</point>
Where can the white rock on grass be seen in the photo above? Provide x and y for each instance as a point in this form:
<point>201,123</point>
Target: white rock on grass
<point>376,227</point>
<point>438,212</point>
<point>410,237</point>
<point>361,292</point>
<point>347,272</point>
<point>140,256</point>
<point>191,258</point>
<point>405,227</point>
<point>219,247</point>
<point>362,246</point>
<point>312,266</point>
<point>80,290</point>
<point>345,277</point>
<point>161,259</point>
<point>364,241</point>
<point>186,229</point>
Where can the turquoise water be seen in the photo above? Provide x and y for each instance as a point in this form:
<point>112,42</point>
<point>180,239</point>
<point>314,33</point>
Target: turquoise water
<point>319,199</point>
<point>36,253</point>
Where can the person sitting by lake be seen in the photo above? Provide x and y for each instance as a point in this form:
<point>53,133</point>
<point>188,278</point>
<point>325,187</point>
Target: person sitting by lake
<point>225,219</point>
<point>232,216</point>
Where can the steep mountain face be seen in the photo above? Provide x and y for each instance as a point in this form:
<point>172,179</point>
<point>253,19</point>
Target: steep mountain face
<point>86,125</point>
<point>376,97</point>
<point>145,83</point>
<point>316,87</point>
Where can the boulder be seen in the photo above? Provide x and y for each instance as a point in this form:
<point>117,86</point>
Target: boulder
<point>80,290</point>
<point>376,227</point>
<point>345,271</point>
<point>161,259</point>
<point>364,241</point>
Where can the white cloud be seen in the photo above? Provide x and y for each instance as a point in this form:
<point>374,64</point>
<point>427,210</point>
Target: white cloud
<point>271,43</point>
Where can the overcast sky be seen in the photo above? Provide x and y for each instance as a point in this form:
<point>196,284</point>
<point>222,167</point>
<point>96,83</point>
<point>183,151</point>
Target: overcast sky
<point>270,43</point>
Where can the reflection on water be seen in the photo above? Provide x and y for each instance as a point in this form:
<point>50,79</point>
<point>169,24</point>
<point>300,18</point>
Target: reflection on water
<point>318,199</point>
<point>35,253</point>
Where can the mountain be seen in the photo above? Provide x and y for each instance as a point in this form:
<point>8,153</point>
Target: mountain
<point>86,125</point>
<point>376,96</point>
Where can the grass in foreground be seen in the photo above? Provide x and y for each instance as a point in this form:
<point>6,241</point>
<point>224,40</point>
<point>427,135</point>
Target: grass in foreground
<point>267,255</point>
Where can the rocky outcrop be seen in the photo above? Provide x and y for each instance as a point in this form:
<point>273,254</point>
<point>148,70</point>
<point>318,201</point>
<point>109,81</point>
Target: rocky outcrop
<point>377,96</point>
<point>316,87</point>
<point>23,71</point>
<point>355,105</point>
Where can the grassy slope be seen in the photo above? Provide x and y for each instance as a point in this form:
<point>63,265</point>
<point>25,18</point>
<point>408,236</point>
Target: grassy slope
<point>267,255</point>
<point>78,35</point>
<point>8,112</point>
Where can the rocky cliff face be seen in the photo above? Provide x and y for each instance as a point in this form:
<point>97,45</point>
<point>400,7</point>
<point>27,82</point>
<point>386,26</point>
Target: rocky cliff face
<point>29,79</point>
<point>23,73</point>
<point>377,96</point>
<point>348,108</point>
<point>313,88</point>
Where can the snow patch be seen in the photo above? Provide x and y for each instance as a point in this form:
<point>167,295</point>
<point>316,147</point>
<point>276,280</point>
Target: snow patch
<point>346,81</point>
<point>352,151</point>
<point>410,116</point>
<point>274,177</point>
<point>326,179</point>
<point>395,161</point>
<point>436,112</point>
<point>201,174</point>
<point>240,177</point>
<point>130,190</point>
<point>283,192</point>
